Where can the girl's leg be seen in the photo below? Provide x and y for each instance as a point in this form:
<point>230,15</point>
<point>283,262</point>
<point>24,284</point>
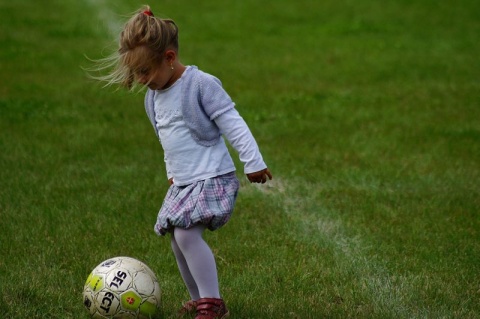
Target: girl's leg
<point>199,260</point>
<point>184,271</point>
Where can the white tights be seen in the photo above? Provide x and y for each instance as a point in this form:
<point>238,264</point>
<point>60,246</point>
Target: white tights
<point>196,262</point>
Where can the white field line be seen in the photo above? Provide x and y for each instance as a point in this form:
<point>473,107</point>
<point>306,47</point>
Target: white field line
<point>388,291</point>
<point>106,16</point>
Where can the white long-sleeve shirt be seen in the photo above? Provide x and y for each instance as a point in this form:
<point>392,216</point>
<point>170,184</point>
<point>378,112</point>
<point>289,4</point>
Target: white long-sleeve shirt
<point>188,161</point>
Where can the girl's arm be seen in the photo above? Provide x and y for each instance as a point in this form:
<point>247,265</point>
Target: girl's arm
<point>236,131</point>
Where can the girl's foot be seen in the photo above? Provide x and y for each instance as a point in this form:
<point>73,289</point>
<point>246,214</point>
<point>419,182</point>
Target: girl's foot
<point>211,308</point>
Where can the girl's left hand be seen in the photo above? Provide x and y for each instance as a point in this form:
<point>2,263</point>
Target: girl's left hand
<point>260,176</point>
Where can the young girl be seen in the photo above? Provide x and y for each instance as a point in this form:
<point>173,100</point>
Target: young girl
<point>190,112</point>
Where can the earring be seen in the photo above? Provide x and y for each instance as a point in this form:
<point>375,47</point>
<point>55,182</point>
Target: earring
<point>171,66</point>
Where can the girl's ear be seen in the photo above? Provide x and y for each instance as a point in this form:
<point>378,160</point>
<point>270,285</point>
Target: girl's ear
<point>170,56</point>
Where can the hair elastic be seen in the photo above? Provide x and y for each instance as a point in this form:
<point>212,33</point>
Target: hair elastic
<point>148,13</point>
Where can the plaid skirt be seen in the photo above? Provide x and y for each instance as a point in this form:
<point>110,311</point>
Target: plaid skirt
<point>209,202</point>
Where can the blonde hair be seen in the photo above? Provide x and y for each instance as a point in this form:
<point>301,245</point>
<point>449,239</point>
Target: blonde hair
<point>142,43</point>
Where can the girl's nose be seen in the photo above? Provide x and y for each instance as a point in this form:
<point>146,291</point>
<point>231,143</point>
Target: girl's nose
<point>142,79</point>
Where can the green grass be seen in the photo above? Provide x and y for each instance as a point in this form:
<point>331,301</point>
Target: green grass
<point>367,113</point>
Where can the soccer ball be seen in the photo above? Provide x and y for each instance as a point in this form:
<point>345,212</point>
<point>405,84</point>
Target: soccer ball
<point>122,287</point>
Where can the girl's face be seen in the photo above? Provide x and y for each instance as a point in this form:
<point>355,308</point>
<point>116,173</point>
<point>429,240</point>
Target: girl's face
<point>158,72</point>
<point>157,76</point>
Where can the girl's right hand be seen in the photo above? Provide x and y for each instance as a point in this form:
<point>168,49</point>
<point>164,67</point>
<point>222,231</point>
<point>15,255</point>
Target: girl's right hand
<point>260,176</point>
<point>170,181</point>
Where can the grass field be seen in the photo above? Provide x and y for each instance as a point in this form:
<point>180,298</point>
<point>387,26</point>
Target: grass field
<point>367,112</point>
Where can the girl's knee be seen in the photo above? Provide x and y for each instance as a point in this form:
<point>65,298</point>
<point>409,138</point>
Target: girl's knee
<point>186,238</point>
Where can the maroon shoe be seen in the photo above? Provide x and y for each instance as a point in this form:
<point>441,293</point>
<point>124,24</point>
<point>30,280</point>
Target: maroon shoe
<point>211,308</point>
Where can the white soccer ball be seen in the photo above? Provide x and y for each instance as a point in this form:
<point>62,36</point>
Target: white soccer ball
<point>122,287</point>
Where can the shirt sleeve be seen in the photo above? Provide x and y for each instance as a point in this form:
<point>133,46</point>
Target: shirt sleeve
<point>237,133</point>
<point>215,100</point>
